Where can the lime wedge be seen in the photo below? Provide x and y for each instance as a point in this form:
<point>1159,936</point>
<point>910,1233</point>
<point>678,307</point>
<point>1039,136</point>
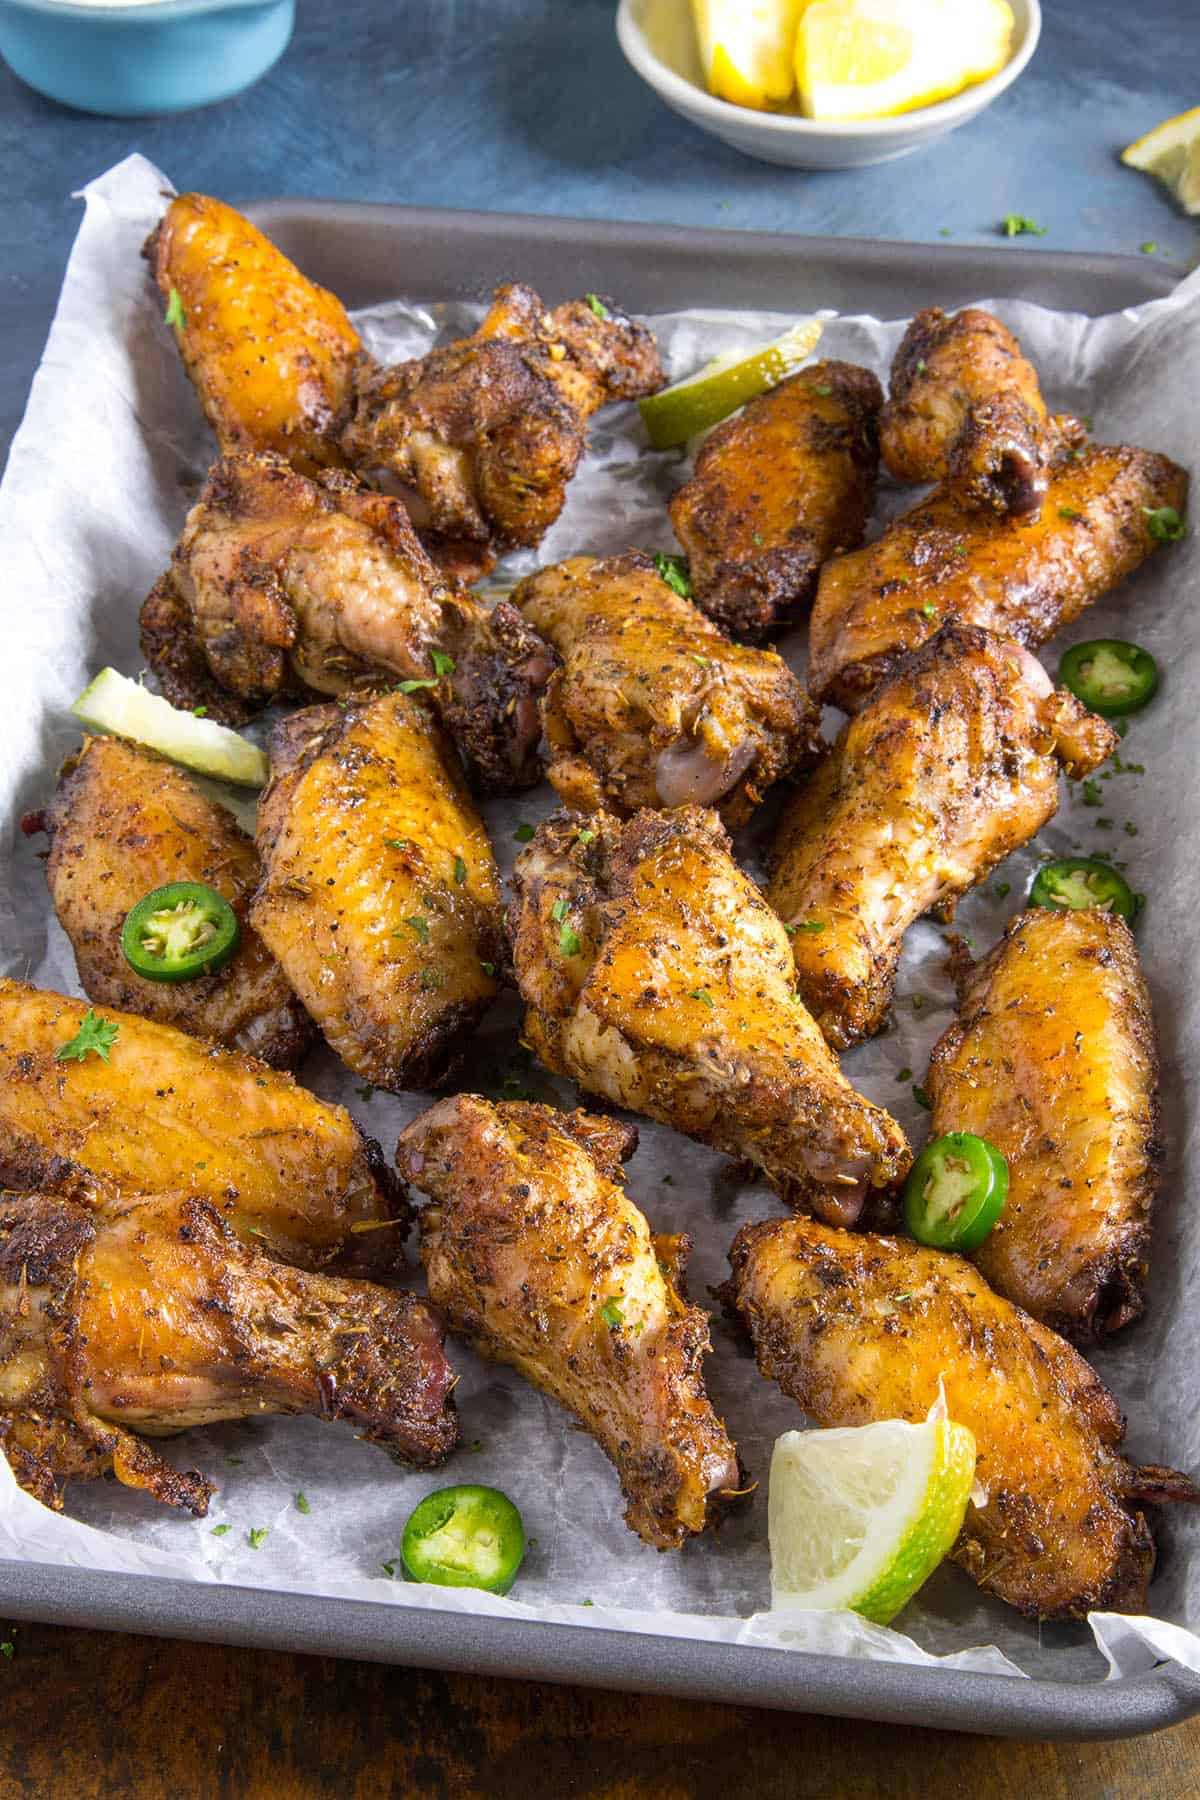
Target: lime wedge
<point>1172,152</point>
<point>125,708</point>
<point>677,413</point>
<point>860,1518</point>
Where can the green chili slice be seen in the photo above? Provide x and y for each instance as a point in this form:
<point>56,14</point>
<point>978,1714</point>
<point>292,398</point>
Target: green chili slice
<point>955,1192</point>
<point>464,1537</point>
<point>1078,882</point>
<point>179,932</point>
<point>1109,675</point>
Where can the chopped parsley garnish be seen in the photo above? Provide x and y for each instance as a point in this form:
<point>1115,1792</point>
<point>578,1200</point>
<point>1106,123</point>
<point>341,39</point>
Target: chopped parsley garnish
<point>918,1001</point>
<point>524,832</point>
<point>389,1568</point>
<point>569,942</point>
<point>489,968</point>
<point>442,664</point>
<point>1130,828</point>
<point>920,365</point>
<point>1002,889</point>
<point>823,391</point>
<point>419,928</point>
<point>702,995</point>
<point>1149,247</point>
<point>674,571</point>
<point>460,870</point>
<point>199,712</point>
<point>1017,225</point>
<point>612,1314</point>
<point>585,836</point>
<point>559,910</point>
<point>597,305</point>
<point>945,231</point>
<point>432,977</point>
<point>810,925</point>
<point>1068,512</point>
<point>410,687</point>
<point>175,315</point>
<point>256,1537</point>
<point>220,1530</point>
<point>366,1092</point>
<point>1164,524</point>
<point>301,1502</point>
<point>929,610</point>
<point>921,1097</point>
<point>395,843</point>
<point>95,1034</point>
<point>1092,795</point>
<point>904,1074</point>
<point>701,662</point>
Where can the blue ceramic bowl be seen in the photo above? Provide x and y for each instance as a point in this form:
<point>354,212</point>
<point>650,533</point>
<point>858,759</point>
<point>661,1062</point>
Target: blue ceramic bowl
<point>161,56</point>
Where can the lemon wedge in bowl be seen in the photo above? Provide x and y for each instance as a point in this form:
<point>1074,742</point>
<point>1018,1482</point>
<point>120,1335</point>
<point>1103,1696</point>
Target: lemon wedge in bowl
<point>1172,152</point>
<point>861,1517</point>
<point>871,59</point>
<point>746,49</point>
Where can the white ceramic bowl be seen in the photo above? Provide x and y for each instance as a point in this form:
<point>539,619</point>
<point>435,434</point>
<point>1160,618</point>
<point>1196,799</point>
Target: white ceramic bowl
<point>659,41</point>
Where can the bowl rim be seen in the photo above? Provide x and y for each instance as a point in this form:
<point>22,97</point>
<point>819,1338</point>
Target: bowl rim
<point>675,88</point>
<point>123,11</point>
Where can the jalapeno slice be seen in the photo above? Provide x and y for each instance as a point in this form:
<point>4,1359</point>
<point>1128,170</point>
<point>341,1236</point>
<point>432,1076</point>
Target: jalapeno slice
<point>955,1192</point>
<point>1078,882</point>
<point>1109,675</point>
<point>464,1537</point>
<point>179,932</point>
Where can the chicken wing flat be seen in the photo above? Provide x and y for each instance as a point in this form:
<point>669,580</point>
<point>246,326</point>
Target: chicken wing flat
<point>124,822</point>
<point>856,1328</point>
<point>481,436</point>
<point>536,1256</point>
<point>776,491</point>
<point>653,706</point>
<point>1053,1060</point>
<point>153,1317</point>
<point>270,354</point>
<point>281,587</point>
<point>951,765</point>
<point>380,894</point>
<point>657,976</point>
<point>167,1111</point>
<point>1023,578</point>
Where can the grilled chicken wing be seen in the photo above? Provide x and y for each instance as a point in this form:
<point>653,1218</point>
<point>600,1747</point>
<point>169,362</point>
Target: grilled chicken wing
<point>1023,578</point>
<point>656,975</point>
<point>284,587</point>
<point>1052,1059</point>
<point>776,491</point>
<point>271,355</point>
<point>167,1111</point>
<point>380,894</point>
<point>951,765</point>
<point>482,436</point>
<point>857,1328</point>
<point>124,822</point>
<point>537,1257</point>
<point>152,1317</point>
<point>654,706</point>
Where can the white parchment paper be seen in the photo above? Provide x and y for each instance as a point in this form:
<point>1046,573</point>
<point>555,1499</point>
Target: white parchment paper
<point>111,452</point>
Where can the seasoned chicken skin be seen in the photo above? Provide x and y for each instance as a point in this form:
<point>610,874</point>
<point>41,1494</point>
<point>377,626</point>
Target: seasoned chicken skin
<point>124,822</point>
<point>657,976</point>
<point>151,1316</point>
<point>1023,578</point>
<point>653,706</point>
<point>951,765</point>
<point>270,354</point>
<point>282,587</point>
<point>380,893</point>
<point>537,1257</point>
<point>856,1328</point>
<point>288,1171</point>
<point>777,490</point>
<point>1052,1058</point>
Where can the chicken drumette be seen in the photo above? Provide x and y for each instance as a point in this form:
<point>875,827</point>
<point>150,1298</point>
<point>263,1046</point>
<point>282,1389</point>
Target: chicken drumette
<point>537,1257</point>
<point>656,975</point>
<point>654,706</point>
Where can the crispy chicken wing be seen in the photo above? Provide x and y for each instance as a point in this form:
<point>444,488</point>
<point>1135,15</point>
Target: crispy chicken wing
<point>1053,1059</point>
<point>380,894</point>
<point>167,1111</point>
<point>656,975</point>
<point>152,1317</point>
<point>285,587</point>
<point>271,355</point>
<point>951,765</point>
<point>1024,578</point>
<point>537,1257</point>
<point>777,490</point>
<point>856,1328</point>
<point>124,822</point>
<point>654,706</point>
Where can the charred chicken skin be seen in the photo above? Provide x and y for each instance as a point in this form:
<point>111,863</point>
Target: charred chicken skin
<point>653,706</point>
<point>1052,1059</point>
<point>537,1257</point>
<point>281,587</point>
<point>380,894</point>
<point>152,1317</point>
<point>951,766</point>
<point>124,822</point>
<point>1021,577</point>
<point>289,1172</point>
<point>856,1328</point>
<point>776,491</point>
<point>657,976</point>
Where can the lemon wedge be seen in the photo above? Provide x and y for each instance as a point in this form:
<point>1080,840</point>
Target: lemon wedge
<point>1172,152</point>
<point>678,413</point>
<point>861,1518</point>
<point>869,59</point>
<point>746,49</point>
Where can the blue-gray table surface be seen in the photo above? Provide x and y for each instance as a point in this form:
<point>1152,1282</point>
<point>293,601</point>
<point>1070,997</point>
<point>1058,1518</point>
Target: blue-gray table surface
<point>528,106</point>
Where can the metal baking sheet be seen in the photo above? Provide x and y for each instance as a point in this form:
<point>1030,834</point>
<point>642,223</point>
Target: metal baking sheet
<point>372,253</point>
